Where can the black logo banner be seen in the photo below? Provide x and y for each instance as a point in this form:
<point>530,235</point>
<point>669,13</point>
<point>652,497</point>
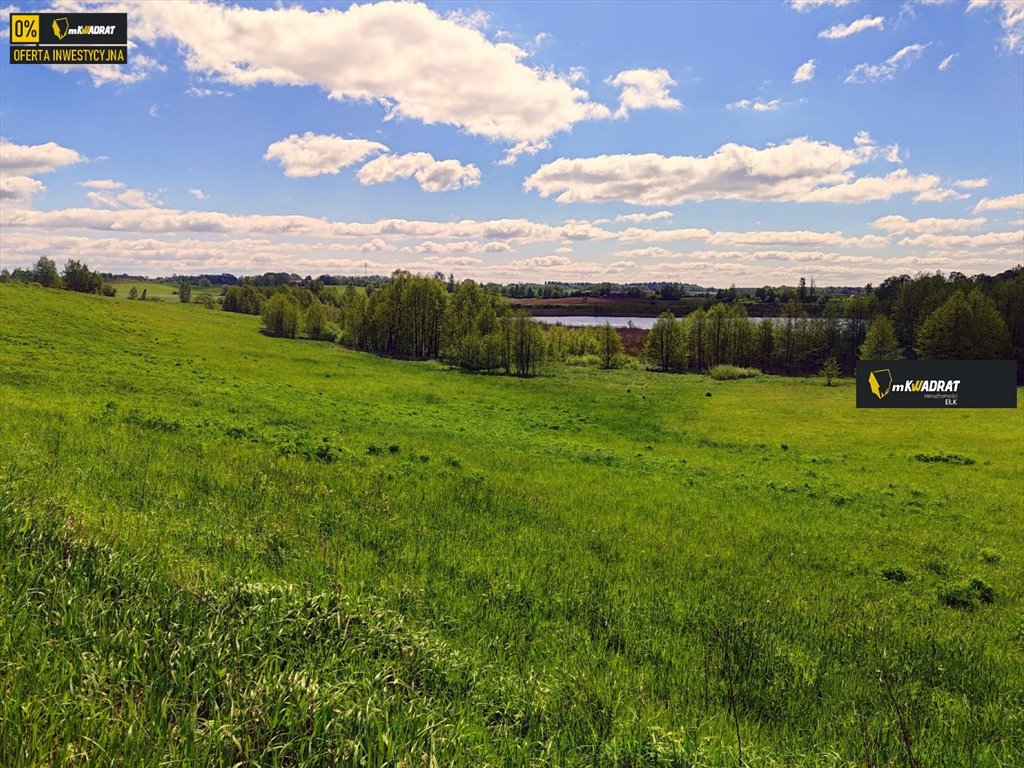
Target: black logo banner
<point>69,38</point>
<point>936,384</point>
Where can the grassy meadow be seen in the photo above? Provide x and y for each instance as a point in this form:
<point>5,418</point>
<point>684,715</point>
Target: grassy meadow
<point>220,548</point>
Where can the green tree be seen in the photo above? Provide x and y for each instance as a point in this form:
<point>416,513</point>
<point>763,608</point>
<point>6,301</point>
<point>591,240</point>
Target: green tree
<point>664,343</point>
<point>965,327</point>
<point>611,345</point>
<point>830,370</point>
<point>184,292</point>
<point>281,315</point>
<point>78,277</point>
<point>880,343</point>
<point>44,272</point>
<point>316,320</point>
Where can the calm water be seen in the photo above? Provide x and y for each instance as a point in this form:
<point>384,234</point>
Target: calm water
<point>589,320</point>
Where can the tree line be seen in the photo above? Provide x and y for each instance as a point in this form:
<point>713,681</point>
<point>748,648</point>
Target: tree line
<point>475,327</point>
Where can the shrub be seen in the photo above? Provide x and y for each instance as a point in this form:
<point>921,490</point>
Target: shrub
<point>895,573</point>
<point>967,595</point>
<point>944,458</point>
<point>730,372</point>
<point>109,290</point>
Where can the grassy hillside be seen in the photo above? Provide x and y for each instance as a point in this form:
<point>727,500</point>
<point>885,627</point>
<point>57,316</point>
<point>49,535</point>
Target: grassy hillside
<point>219,547</point>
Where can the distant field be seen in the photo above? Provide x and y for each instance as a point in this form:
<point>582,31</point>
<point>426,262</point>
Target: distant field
<point>222,548</point>
<point>162,291</point>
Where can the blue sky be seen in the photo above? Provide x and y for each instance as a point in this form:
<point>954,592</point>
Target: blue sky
<point>745,142</point>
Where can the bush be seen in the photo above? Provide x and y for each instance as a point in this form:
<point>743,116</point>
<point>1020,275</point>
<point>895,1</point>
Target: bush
<point>730,372</point>
<point>109,290</point>
<point>966,596</point>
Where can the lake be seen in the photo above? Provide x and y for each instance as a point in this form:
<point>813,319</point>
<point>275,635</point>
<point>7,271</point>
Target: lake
<point>645,323</point>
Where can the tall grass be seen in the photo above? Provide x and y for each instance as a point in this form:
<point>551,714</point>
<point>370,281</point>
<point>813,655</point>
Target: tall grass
<point>590,568</point>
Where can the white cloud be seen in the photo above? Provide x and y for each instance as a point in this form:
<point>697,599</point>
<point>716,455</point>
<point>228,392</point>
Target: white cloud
<point>805,72</point>
<point>19,190</point>
<point>378,51</point>
<point>971,183</point>
<point>644,89</point>
<point>799,170</point>
<point>102,184</point>
<point>203,93</point>
<point>944,64</point>
<point>462,246</point>
<point>1007,203</point>
<point>651,252</point>
<point>873,73</point>
<point>840,31</point>
<point>901,225</point>
<point>432,175</point>
<point>129,198</point>
<point>543,261</point>
<point>956,242</point>
<point>475,19</point>
<point>314,154</point>
<point>636,218</point>
<point>757,105</point>
<point>198,194</point>
<point>29,160</point>
<point>810,5</point>
<point>137,69</point>
<point>924,186</point>
<point>154,110</point>
<point>1012,20</point>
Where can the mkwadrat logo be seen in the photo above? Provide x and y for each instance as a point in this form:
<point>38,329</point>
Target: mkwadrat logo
<point>880,382</point>
<point>936,384</point>
<point>62,29</point>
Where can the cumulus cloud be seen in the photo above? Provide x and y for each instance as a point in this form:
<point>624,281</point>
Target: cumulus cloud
<point>873,73</point>
<point>378,52</point>
<point>313,154</point>
<point>956,242</point>
<point>138,68</point>
<point>651,252</point>
<point>840,31</point>
<point>901,225</point>
<point>971,183</point>
<point>19,190</point>
<point>805,72</point>
<point>810,5</point>
<point>32,159</point>
<point>102,184</point>
<point>198,194</point>
<point>1007,203</point>
<point>462,246</point>
<point>1011,17</point>
<point>799,170</point>
<point>636,218</point>
<point>432,175</point>
<point>644,89</point>
<point>757,105</point>
<point>129,198</point>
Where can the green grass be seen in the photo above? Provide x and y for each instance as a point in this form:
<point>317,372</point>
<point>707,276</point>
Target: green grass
<point>162,291</point>
<point>218,547</point>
